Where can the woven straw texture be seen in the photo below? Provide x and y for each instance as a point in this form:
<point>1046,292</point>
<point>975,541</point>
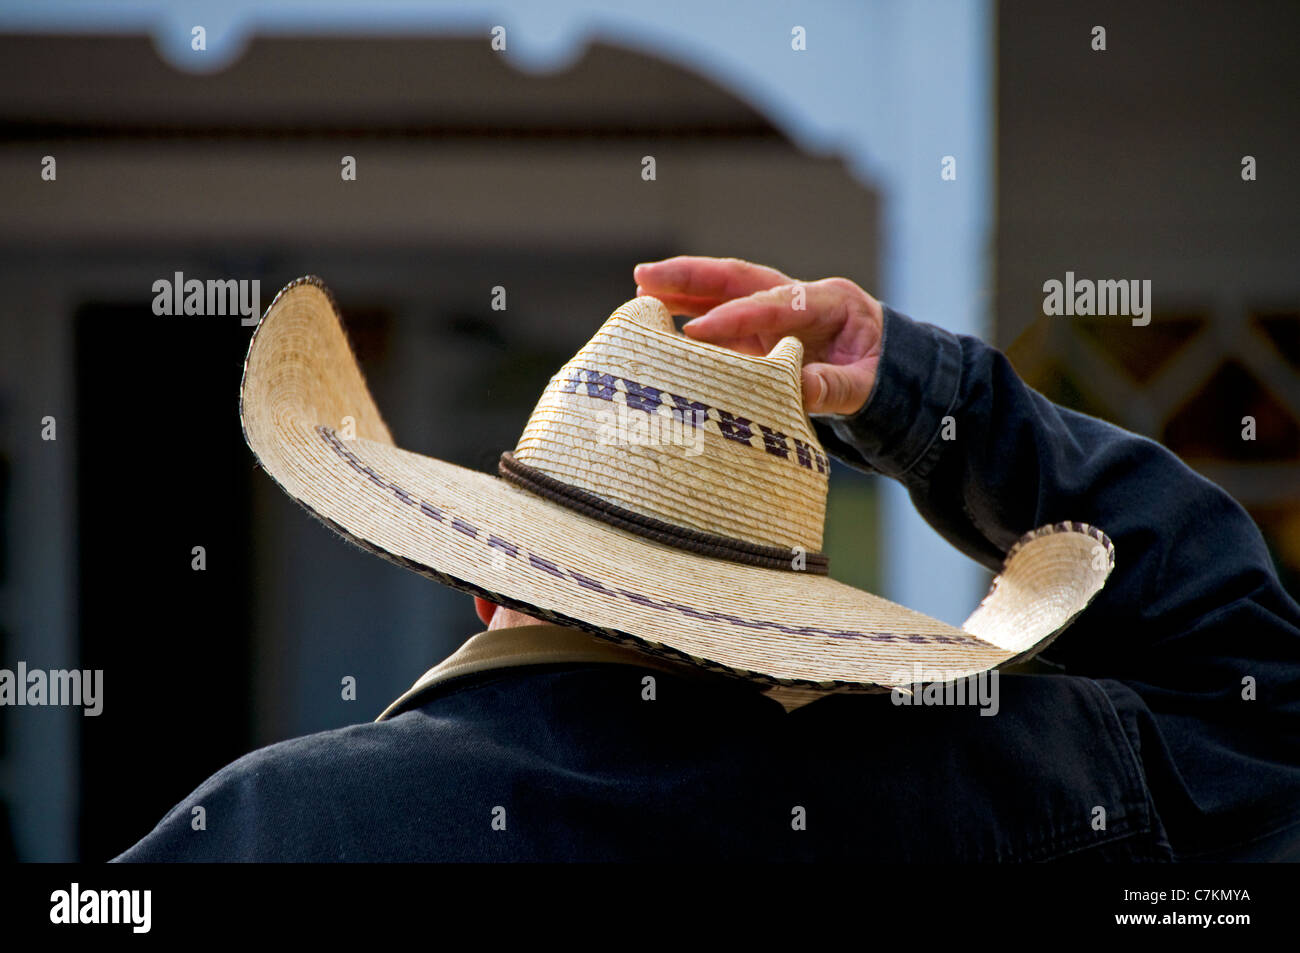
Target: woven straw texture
<point>719,476</point>
<point>478,533</point>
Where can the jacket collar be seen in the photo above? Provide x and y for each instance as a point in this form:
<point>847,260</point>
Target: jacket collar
<point>531,645</point>
<point>550,645</point>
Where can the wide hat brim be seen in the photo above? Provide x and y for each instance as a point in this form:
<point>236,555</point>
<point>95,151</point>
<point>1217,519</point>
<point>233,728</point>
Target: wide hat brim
<point>313,426</point>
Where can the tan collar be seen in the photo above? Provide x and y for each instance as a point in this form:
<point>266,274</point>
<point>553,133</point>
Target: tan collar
<point>534,645</point>
<point>551,644</point>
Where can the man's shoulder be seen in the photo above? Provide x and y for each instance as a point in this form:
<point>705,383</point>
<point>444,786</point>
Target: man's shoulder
<point>307,798</point>
<point>336,753</point>
<point>434,781</point>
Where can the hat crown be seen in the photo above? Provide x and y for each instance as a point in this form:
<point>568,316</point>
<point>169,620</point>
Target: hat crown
<point>684,432</point>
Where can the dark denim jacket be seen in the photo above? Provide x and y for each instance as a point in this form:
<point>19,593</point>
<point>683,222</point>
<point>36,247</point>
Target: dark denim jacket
<point>1145,747</point>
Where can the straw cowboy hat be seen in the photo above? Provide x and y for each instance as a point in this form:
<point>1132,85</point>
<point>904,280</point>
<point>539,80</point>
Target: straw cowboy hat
<point>665,494</point>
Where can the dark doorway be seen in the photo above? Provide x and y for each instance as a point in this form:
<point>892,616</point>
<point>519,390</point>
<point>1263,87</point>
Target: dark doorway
<point>161,468</point>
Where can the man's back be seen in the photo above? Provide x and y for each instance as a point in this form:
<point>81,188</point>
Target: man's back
<point>596,762</point>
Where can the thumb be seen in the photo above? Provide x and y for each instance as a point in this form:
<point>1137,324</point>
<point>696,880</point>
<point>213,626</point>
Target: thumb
<point>833,389</point>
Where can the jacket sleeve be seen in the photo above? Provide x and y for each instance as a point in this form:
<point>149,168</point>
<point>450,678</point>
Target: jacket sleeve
<point>1016,461</point>
<point>1193,617</point>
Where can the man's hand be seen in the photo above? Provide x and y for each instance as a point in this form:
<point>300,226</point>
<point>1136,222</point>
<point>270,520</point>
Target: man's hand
<point>749,308</point>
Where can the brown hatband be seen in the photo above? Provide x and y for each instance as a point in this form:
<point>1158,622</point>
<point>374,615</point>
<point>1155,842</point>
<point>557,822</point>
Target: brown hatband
<point>712,545</point>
